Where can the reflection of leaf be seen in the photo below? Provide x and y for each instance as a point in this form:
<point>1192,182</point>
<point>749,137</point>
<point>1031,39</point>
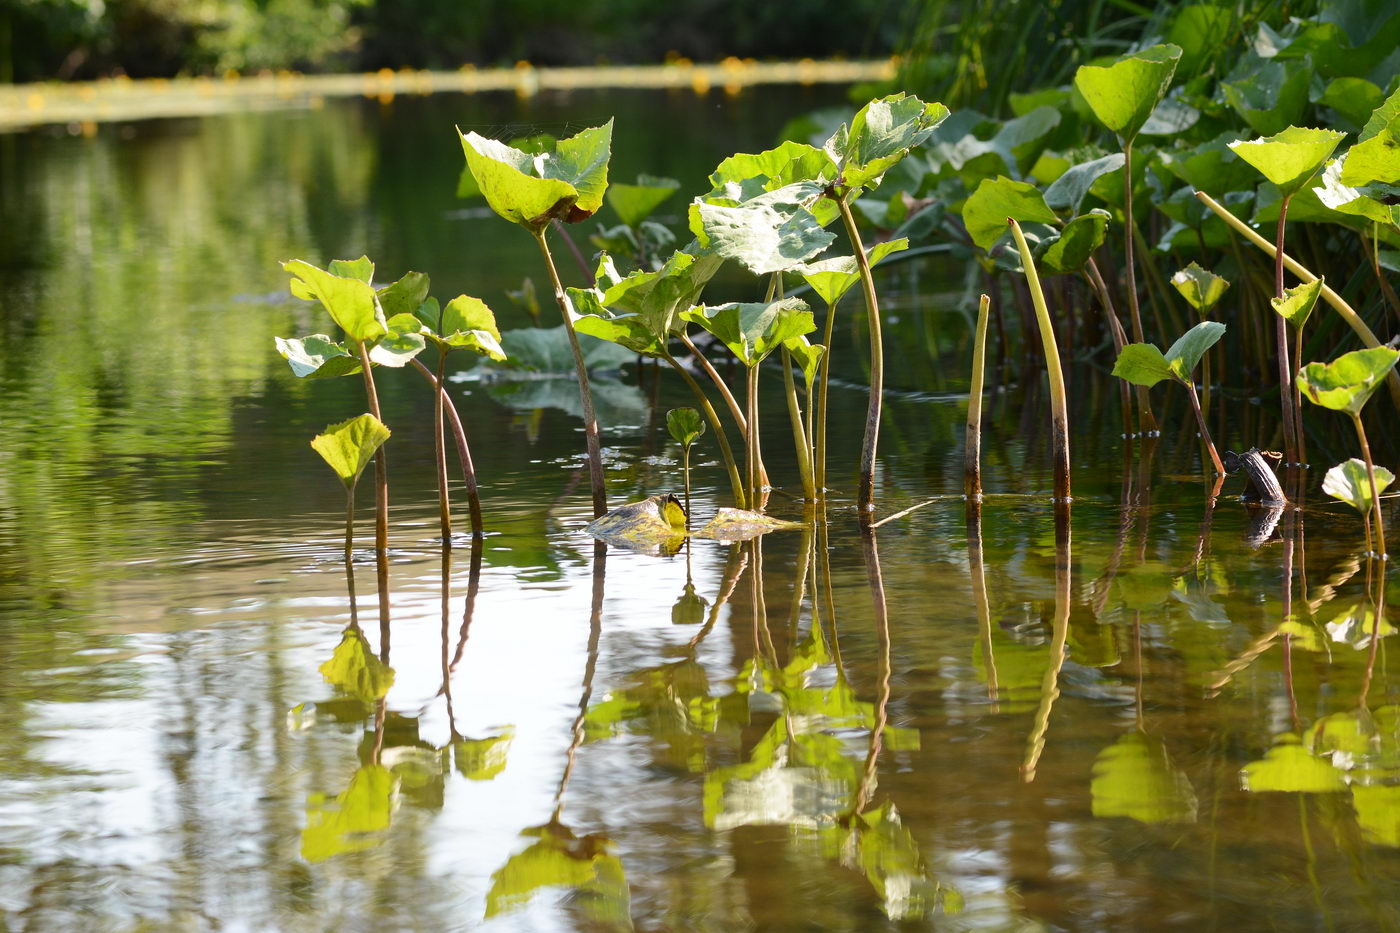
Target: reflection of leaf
<point>798,780</point>
<point>671,703</point>
<point>546,350</point>
<point>1360,739</point>
<point>1144,587</point>
<point>615,403</point>
<point>1378,812</point>
<point>1290,767</point>
<point>482,759</point>
<point>689,608</point>
<point>354,670</point>
<point>739,525</point>
<point>1134,777</point>
<point>585,865</point>
<point>1355,623</point>
<point>878,845</point>
<point>346,823</point>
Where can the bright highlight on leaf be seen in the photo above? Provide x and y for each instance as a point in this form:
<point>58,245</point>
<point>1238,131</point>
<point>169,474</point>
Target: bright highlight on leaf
<point>1291,157</point>
<point>1297,303</point>
<point>1347,382</point>
<point>1124,93</point>
<point>565,182</point>
<point>351,302</point>
<point>1143,364</point>
<point>752,331</point>
<point>1348,482</point>
<point>1201,288</point>
<point>349,446</point>
<point>355,671</point>
<point>879,136</point>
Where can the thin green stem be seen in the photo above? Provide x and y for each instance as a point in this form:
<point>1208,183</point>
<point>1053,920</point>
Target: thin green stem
<point>464,454</point>
<point>1120,340</point>
<point>972,468</point>
<point>799,437</point>
<point>819,452</point>
<point>708,410</point>
<point>685,470</point>
<point>751,439</point>
<point>440,449</point>
<point>1147,424</point>
<point>1371,476</point>
<point>1201,423</point>
<point>381,493</point>
<point>1285,372</point>
<point>1059,408</point>
<point>866,496</point>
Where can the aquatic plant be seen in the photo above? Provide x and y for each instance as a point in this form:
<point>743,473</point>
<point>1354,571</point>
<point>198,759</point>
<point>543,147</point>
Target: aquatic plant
<point>1059,408</point>
<point>972,457</point>
<point>685,427</point>
<point>1145,365</point>
<point>347,448</point>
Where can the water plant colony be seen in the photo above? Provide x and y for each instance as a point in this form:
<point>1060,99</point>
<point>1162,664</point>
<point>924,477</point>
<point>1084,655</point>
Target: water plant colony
<point>1105,213</point>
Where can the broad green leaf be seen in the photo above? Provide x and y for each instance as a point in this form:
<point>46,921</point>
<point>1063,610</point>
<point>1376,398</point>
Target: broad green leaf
<point>361,270</point>
<point>880,135</point>
<point>1070,251</point>
<point>1271,96</point>
<point>405,295</point>
<point>352,821</point>
<point>1201,288</point>
<point>1355,99</point>
<point>771,233</point>
<point>631,331</point>
<point>634,203</point>
<point>1382,117</point>
<point>349,446</point>
<point>654,524</point>
<point>1134,778</point>
<point>317,357</point>
<point>1199,29</point>
<point>1297,303</point>
<point>351,302</point>
<point>1183,355</point>
<point>1375,160</point>
<point>355,671</point>
<point>1291,157</point>
<point>1289,767</point>
<point>1142,364</point>
<point>832,278</point>
<point>482,759</point>
<point>1123,94</point>
<point>508,180</point>
<point>1359,202</point>
<point>685,425</point>
<point>1348,381</point>
<point>987,210</point>
<point>1210,166</point>
<point>731,525</point>
<point>807,356</point>
<point>402,341</point>
<point>1350,483</point>
<point>585,865</point>
<point>581,161</point>
<point>752,331</point>
<point>467,324</point>
<point>775,168</point>
<point>1069,190</point>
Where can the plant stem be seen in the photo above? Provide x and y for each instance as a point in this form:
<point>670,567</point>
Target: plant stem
<point>1298,400</point>
<point>1285,372</point>
<point>464,454</point>
<point>751,439</point>
<point>1120,340</point>
<point>685,470</point>
<point>350,545</point>
<point>799,437</point>
<point>712,417</point>
<point>866,496</point>
<point>1059,409</point>
<point>725,393</point>
<point>440,448</point>
<point>1375,493</point>
<point>972,469</point>
<point>1201,423</point>
<point>819,442</point>
<point>590,420</point>
<point>381,494</point>
<point>1147,423</point>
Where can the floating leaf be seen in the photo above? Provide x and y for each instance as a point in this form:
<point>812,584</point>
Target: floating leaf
<point>350,822</point>
<point>1070,188</point>
<point>752,331</point>
<point>1183,355</point>
<point>685,425</point>
<point>565,183</point>
<point>482,759</point>
<point>1350,483</point>
<point>317,357</point>
<point>1290,767</point>
<point>1291,157</point>
<point>559,859</point>
<point>1070,250</point>
<point>355,671</point>
<point>1201,288</point>
<point>352,303</point>
<point>656,523</point>
<point>1134,777</point>
<point>634,203</point>
<point>1124,94</point>
<point>1347,382</point>
<point>349,446</point>
<point>880,135</point>
<point>730,525</point>
<point>770,233</point>
<point>1142,364</point>
<point>832,278</point>
<point>987,209</point>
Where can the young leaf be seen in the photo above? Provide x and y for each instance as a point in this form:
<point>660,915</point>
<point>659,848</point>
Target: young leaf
<point>349,446</point>
<point>1349,482</point>
<point>352,303</point>
<point>317,357</point>
<point>1348,381</point>
<point>634,203</point>
<point>1070,250</point>
<point>405,295</point>
<point>808,357</point>
<point>685,425</point>
<point>1297,303</point>
<point>832,278</point>
<point>1142,364</point>
<point>1201,288</point>
<point>1183,355</point>
<point>1123,94</point>
<point>752,331</point>
<point>880,135</point>
<point>1291,157</point>
<point>986,211</point>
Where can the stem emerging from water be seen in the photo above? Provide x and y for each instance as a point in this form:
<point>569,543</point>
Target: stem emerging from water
<point>799,436</point>
<point>1147,424</point>
<point>381,495</point>
<point>735,482</point>
<point>1375,493</point>
<point>1285,372</point>
<point>1201,423</point>
<point>464,454</point>
<point>866,497</point>
<point>972,470</point>
<point>1059,409</point>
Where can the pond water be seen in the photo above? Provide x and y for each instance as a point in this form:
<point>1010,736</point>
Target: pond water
<point>1153,714</point>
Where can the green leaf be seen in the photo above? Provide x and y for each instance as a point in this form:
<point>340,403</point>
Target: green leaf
<point>355,671</point>
<point>1142,364</point>
<point>1201,288</point>
<point>1199,29</point>
<point>832,278</point>
<point>1375,160</point>
<point>1290,768</point>
<point>317,357</point>
<point>402,341</point>
<point>685,425</point>
<point>632,331</point>
<point>1134,778</point>
<point>1359,202</point>
<point>880,135</point>
<point>467,324</point>
<point>1355,99</point>
<point>1382,117</point>
<point>1070,250</point>
<point>1350,483</point>
<point>546,350</point>
<point>581,161</point>
<point>1347,382</point>
<point>634,203</point>
<point>1070,188</point>
<point>1291,157</point>
<point>808,357</point>
<point>353,821</point>
<point>352,303</point>
<point>752,331</point>
<point>361,270</point>
<point>1271,96</point>
<point>559,859</point>
<point>775,168</point>
<point>878,845</point>
<point>482,759</point>
<point>405,295</point>
<point>1183,355</point>
<point>996,200</point>
<point>1297,303</point>
<point>349,446</point>
<point>770,233</point>
<point>1123,94</point>
<point>566,182</point>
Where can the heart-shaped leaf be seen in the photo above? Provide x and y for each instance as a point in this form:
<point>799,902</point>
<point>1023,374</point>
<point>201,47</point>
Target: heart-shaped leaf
<point>565,183</point>
<point>1142,364</point>
<point>1298,302</point>
<point>1070,250</point>
<point>685,425</point>
<point>1124,94</point>
<point>879,136</point>
<point>1290,157</point>
<point>1183,355</point>
<point>1347,382</point>
<point>317,357</point>
<point>808,357</point>
<point>752,331</point>
<point>349,446</point>
<point>770,233</point>
<point>996,199</point>
<point>1201,288</point>
<point>634,203</point>
<point>1350,483</point>
<point>832,278</point>
<point>351,302</point>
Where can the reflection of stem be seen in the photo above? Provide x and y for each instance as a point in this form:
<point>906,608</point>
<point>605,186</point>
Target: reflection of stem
<point>882,701</point>
<point>595,634</point>
<point>1311,856</point>
<point>349,551</point>
<point>381,499</point>
<point>1288,536</point>
<point>824,550</point>
<point>473,587</point>
<point>1050,686</point>
<point>446,587</point>
<point>733,569</point>
<point>979,596</point>
<point>799,591</point>
<point>378,746</point>
<point>1379,604</point>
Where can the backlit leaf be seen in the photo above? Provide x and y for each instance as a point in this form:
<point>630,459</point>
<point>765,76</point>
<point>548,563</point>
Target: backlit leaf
<point>1142,364</point>
<point>1201,288</point>
<point>770,233</point>
<point>832,278</point>
<point>752,331</point>
<point>807,356</point>
<point>349,446</point>
<point>351,302</point>
<point>1186,352</point>
<point>1350,483</point>
<point>1347,382</point>
<point>634,203</point>
<point>405,295</point>
<point>880,135</point>
<point>1071,249</point>
<point>1375,160</point>
<point>317,357</point>
<point>685,425</point>
<point>1297,303</point>
<point>1290,157</point>
<point>996,200</point>
<point>1124,94</point>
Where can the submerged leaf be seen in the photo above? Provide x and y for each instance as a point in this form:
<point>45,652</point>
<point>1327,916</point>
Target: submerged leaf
<point>1134,777</point>
<point>349,446</point>
<point>1201,288</point>
<point>1350,483</point>
<point>730,525</point>
<point>1291,157</point>
<point>355,671</point>
<point>1124,93</point>
<point>1346,383</point>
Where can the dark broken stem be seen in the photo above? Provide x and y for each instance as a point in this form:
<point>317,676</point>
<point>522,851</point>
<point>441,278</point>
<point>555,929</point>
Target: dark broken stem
<point>464,454</point>
<point>590,420</point>
<point>381,498</point>
<point>866,496</point>
<point>972,467</point>
<point>1201,423</point>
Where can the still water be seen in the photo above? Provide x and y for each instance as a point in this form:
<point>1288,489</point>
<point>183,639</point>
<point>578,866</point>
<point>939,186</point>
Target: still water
<point>1132,720</point>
